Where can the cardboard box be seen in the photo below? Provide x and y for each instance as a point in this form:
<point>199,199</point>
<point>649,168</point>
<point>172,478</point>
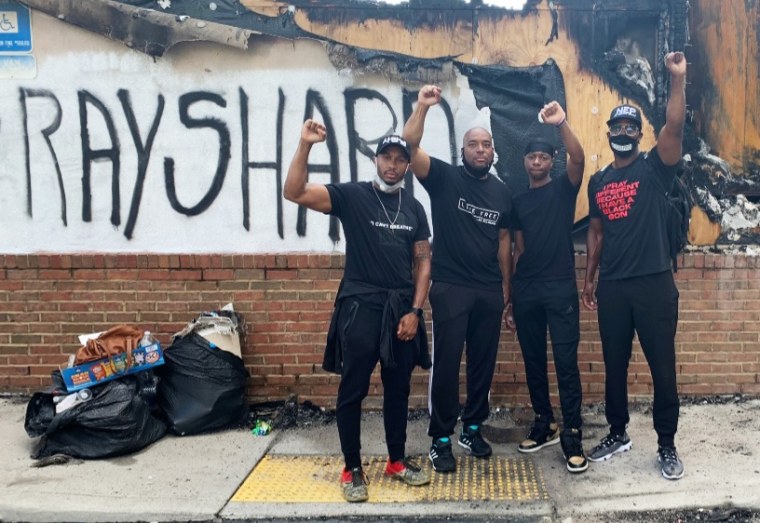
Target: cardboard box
<point>228,342</point>
<point>100,371</point>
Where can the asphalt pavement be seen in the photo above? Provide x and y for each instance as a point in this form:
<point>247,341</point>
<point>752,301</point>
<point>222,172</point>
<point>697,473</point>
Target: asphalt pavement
<point>193,478</point>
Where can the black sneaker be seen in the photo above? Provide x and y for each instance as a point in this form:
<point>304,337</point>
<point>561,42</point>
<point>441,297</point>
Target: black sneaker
<point>572,449</point>
<point>610,445</point>
<point>543,433</point>
<point>471,439</point>
<point>441,456</point>
<point>672,467</point>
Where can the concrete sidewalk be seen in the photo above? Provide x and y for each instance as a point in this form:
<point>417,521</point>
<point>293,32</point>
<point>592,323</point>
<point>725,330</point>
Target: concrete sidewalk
<point>193,478</point>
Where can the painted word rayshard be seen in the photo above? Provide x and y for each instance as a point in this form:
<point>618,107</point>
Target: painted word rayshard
<point>114,152</point>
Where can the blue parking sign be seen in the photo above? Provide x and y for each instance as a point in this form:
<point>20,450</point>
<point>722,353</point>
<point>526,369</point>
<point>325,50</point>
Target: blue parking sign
<point>15,28</point>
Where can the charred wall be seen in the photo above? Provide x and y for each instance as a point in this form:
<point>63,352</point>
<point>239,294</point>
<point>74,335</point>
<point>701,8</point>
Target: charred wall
<point>617,43</point>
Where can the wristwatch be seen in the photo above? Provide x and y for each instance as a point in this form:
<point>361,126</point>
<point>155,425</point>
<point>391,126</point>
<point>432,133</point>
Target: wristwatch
<point>417,311</point>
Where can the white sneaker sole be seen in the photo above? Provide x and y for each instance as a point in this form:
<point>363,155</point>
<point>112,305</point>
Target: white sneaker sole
<point>531,450</point>
<point>622,448</point>
<point>666,476</point>
<point>574,470</point>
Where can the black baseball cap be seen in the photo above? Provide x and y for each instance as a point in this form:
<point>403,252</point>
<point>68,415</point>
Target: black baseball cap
<point>391,140</point>
<point>625,112</point>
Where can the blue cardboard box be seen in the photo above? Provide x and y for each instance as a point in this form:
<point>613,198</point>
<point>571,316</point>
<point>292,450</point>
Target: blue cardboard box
<point>100,371</point>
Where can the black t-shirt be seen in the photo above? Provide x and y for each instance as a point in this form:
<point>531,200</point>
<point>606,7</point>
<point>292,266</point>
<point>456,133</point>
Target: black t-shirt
<point>545,216</point>
<point>378,244</point>
<point>467,216</point>
<point>632,205</point>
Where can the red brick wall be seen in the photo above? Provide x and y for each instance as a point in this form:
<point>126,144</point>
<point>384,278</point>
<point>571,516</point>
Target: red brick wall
<point>47,300</point>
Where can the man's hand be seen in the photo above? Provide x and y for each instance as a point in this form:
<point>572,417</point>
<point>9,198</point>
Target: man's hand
<point>552,114</point>
<point>407,326</point>
<point>588,296</point>
<point>313,131</point>
<point>429,95</point>
<point>509,318</point>
<point>676,63</point>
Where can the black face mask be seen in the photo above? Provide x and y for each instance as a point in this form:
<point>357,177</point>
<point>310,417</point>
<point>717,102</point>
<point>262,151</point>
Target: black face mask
<point>476,172</point>
<point>622,145</point>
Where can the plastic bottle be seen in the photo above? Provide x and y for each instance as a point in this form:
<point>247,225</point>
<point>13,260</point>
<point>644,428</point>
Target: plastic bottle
<point>147,340</point>
<point>63,403</point>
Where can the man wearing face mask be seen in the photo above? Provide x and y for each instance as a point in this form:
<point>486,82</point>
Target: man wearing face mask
<point>628,241</point>
<point>378,308</point>
<point>471,266</point>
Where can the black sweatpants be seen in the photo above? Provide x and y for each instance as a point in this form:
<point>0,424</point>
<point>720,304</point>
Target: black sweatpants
<point>648,305</point>
<point>359,331</point>
<point>462,315</point>
<point>535,305</point>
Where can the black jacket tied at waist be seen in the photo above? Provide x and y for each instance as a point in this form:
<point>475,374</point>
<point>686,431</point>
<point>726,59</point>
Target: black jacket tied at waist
<point>395,303</point>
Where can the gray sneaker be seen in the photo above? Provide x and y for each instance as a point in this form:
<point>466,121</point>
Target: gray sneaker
<point>354,483</point>
<point>610,445</point>
<point>672,467</point>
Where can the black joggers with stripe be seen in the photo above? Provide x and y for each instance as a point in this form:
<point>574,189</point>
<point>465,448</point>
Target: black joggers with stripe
<point>462,315</point>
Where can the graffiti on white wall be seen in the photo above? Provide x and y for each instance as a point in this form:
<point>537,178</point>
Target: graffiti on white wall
<point>114,152</point>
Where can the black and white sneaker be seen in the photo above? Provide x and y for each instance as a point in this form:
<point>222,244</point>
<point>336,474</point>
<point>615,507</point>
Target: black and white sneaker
<point>441,456</point>
<point>543,433</point>
<point>671,465</point>
<point>572,449</point>
<point>610,445</point>
<point>471,439</point>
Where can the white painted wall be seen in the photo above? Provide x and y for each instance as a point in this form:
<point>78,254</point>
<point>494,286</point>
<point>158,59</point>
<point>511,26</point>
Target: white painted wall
<point>70,60</point>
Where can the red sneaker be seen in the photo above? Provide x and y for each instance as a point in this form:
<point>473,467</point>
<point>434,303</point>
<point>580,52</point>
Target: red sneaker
<point>407,471</point>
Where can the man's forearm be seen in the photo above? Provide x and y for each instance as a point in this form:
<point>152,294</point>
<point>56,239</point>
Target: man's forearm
<point>675,114</point>
<point>415,126</point>
<point>572,144</point>
<point>593,255</point>
<point>421,273</point>
<point>505,264</point>
<point>421,283</point>
<point>295,181</point>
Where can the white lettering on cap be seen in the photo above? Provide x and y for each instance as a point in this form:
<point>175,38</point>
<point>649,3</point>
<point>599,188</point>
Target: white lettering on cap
<point>394,140</point>
<point>625,111</point>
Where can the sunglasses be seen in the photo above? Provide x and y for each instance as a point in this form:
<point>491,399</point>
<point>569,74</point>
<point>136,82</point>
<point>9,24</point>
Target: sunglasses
<point>618,128</point>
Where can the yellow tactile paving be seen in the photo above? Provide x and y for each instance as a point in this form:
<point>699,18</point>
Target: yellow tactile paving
<point>315,479</point>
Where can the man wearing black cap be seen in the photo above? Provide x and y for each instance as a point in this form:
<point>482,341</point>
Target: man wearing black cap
<point>378,308</point>
<point>628,240</point>
<point>471,265</point>
<point>544,291</point>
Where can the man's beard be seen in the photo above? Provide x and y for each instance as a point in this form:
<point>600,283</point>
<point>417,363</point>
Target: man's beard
<point>476,172</point>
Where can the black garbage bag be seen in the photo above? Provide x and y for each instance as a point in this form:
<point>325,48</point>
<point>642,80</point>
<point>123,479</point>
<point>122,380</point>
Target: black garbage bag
<point>202,388</point>
<point>118,419</point>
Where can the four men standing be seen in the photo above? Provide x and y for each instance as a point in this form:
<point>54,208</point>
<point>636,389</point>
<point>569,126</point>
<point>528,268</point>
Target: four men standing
<point>378,305</point>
